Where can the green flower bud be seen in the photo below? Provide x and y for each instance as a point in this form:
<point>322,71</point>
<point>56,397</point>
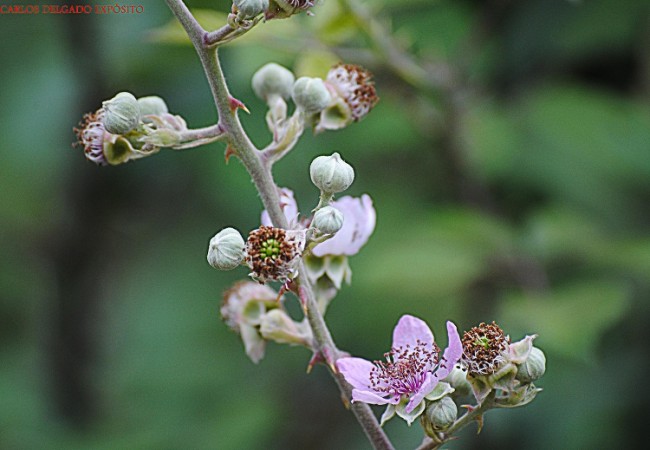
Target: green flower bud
<point>273,80</point>
<point>441,414</point>
<point>457,378</point>
<point>152,106</point>
<point>331,174</point>
<point>328,220</point>
<point>533,368</point>
<point>251,8</point>
<point>311,95</point>
<point>122,113</point>
<point>226,250</point>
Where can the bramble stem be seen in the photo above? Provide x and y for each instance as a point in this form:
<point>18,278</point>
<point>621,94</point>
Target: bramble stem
<point>469,416</point>
<point>261,175</point>
<point>214,37</point>
<point>213,133</point>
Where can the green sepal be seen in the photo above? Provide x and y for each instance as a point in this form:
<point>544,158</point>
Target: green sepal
<point>400,410</point>
<point>439,391</point>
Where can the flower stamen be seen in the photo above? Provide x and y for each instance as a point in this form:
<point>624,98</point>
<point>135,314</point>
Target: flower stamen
<point>90,136</point>
<point>405,369</point>
<point>484,348</point>
<point>271,253</point>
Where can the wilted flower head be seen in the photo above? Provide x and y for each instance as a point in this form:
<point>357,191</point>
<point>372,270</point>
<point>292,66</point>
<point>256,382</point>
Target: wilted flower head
<point>126,128</point>
<point>91,135</point>
<point>484,349</point>
<point>353,96</point>
<point>412,369</point>
<point>279,9</point>
<point>273,253</point>
<point>243,309</point>
<point>353,83</point>
<point>359,219</point>
<point>245,302</point>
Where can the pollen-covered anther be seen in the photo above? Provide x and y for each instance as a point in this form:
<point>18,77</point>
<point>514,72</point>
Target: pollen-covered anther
<point>484,349</point>
<point>90,136</point>
<point>272,253</point>
<point>405,369</point>
<point>354,84</point>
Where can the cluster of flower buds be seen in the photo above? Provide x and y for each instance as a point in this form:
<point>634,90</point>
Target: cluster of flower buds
<point>256,313</point>
<point>126,128</point>
<point>410,381</point>
<point>346,95</point>
<point>416,380</point>
<point>323,241</point>
<point>493,363</point>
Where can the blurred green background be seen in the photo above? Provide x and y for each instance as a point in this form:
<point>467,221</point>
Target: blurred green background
<point>517,192</point>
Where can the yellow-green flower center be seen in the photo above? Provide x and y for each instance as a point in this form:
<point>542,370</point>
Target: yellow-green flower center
<point>270,249</point>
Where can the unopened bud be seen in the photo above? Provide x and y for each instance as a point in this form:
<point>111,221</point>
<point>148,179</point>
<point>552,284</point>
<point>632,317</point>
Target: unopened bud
<point>457,378</point>
<point>152,106</point>
<point>311,95</point>
<point>331,174</point>
<point>251,8</point>
<point>441,414</point>
<point>328,220</point>
<point>122,113</point>
<point>226,250</point>
<point>533,368</point>
<point>271,80</point>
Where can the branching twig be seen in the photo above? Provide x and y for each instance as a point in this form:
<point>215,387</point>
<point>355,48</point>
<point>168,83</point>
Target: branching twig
<point>241,145</point>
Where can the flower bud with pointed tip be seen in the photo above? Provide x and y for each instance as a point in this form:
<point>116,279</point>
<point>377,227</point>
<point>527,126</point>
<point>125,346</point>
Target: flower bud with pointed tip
<point>226,250</point>
<point>533,368</point>
<point>328,220</point>
<point>311,95</point>
<point>331,174</point>
<point>122,113</point>
<point>441,414</point>
<point>273,80</point>
<point>152,105</point>
<point>251,8</point>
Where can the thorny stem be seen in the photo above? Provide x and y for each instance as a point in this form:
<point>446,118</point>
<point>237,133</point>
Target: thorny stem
<point>249,155</point>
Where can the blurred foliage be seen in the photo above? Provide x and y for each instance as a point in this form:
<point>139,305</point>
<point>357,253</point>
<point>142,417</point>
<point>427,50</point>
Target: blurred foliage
<point>109,328</point>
